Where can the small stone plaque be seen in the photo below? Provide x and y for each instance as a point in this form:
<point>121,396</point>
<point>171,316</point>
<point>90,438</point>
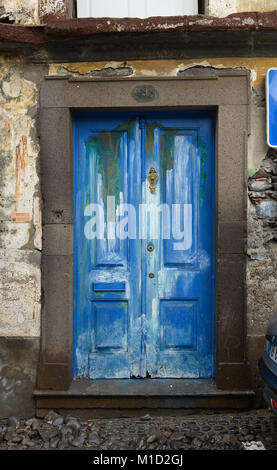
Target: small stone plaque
<point>145,93</point>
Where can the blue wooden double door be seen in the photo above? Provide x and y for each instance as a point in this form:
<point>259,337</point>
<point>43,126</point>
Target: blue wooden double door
<point>143,245</point>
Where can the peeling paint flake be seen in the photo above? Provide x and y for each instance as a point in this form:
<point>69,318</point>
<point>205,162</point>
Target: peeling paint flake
<point>202,22</point>
<point>248,21</point>
<point>21,217</point>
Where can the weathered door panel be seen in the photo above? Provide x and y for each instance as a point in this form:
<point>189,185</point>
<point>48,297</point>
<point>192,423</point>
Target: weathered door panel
<point>107,267</point>
<point>179,298</point>
<point>127,323</point>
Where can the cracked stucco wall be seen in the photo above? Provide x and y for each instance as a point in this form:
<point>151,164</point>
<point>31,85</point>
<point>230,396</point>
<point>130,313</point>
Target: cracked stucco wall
<point>20,11</point>
<point>226,7</point>
<point>29,11</point>
<point>20,231</point>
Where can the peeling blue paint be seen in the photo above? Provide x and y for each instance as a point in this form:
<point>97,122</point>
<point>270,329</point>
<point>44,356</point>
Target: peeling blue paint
<point>127,324</point>
<point>267,210</point>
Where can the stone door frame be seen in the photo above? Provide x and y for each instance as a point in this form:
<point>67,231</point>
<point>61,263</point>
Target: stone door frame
<point>226,91</point>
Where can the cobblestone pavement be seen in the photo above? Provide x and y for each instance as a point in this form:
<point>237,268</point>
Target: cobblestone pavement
<point>226,431</point>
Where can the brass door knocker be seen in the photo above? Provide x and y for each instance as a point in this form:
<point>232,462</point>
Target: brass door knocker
<point>152,178</point>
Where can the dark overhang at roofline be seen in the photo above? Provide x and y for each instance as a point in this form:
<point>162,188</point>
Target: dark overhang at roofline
<point>247,34</point>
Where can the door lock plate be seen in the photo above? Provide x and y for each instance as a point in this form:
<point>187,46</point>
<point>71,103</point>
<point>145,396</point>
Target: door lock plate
<point>152,178</point>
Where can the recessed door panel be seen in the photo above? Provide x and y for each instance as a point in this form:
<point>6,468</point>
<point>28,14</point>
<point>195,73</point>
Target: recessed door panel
<point>178,325</point>
<point>180,192</point>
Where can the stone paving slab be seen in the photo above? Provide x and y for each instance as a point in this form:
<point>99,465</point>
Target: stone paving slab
<point>228,431</point>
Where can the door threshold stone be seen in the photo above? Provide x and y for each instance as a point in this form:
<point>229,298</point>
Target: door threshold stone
<point>135,397</point>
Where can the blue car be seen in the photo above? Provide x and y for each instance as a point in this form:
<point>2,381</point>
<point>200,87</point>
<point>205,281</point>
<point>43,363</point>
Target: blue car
<point>268,365</point>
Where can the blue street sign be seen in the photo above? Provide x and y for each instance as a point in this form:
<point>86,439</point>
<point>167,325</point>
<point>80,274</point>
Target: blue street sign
<point>271,100</point>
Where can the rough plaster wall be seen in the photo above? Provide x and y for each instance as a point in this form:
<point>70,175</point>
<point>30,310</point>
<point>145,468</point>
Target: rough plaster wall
<point>256,5</point>
<point>222,8</point>
<point>20,11</point>
<point>52,8</point>
<point>20,235</point>
<point>18,362</point>
<point>32,11</point>
<point>20,232</point>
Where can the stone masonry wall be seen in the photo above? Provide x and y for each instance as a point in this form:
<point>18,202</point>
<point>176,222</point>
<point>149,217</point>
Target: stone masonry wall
<point>262,255</point>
